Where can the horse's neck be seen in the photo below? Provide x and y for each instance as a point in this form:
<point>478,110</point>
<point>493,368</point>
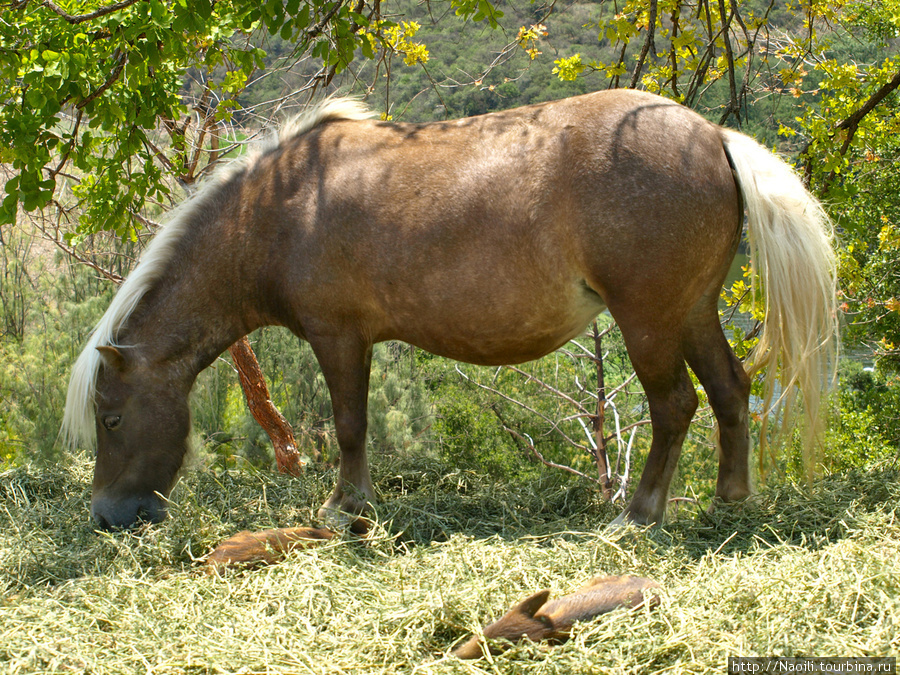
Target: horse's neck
<point>192,314</point>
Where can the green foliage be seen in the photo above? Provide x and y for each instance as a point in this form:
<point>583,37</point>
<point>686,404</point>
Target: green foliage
<point>400,411</point>
<point>85,95</point>
<point>843,89</point>
<point>478,10</point>
<point>879,18</point>
<point>568,69</point>
<point>469,435</point>
<point>399,38</point>
<point>743,305</point>
<point>867,206</point>
<point>61,305</point>
<point>868,430</point>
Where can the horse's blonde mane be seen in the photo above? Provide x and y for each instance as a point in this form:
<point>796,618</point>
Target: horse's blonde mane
<point>78,421</point>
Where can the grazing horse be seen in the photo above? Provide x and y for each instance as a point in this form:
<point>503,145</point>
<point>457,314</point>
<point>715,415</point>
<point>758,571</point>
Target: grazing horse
<point>493,240</point>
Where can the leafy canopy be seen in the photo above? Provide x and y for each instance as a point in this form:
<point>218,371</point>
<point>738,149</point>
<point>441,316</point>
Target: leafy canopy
<point>85,87</point>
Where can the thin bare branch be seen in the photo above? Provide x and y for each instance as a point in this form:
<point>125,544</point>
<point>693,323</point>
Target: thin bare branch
<point>65,157</point>
<point>620,387</point>
<point>543,460</point>
<point>553,390</point>
<point>80,259</point>
<point>633,425</point>
<point>554,425</point>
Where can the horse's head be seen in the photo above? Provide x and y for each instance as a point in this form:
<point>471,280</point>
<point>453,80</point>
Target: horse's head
<point>143,422</point>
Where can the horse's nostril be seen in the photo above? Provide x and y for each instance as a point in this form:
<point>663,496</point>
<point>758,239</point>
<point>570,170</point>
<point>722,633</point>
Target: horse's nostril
<point>148,514</point>
<point>102,522</point>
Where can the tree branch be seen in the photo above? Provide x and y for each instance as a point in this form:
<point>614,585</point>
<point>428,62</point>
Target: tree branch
<point>648,44</point>
<point>734,104</point>
<point>96,14</point>
<point>316,30</point>
<point>263,410</point>
<point>553,390</point>
<point>106,85</point>
<point>546,462</point>
<point>851,126</point>
<point>600,455</point>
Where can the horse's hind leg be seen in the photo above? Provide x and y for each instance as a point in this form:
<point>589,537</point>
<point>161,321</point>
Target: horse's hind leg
<point>728,387</point>
<point>345,362</point>
<point>660,366</point>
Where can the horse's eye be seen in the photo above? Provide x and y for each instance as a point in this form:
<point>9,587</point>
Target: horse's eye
<point>111,422</point>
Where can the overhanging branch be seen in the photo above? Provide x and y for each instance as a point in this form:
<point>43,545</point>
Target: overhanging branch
<point>851,124</point>
<point>81,18</point>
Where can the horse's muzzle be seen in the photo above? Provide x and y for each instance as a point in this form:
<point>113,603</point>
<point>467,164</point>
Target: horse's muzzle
<point>124,513</point>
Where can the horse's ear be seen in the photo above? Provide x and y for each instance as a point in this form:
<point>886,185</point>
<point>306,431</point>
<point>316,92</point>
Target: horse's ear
<point>113,358</point>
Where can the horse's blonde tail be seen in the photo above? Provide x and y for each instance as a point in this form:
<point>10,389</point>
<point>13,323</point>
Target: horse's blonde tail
<point>791,248</point>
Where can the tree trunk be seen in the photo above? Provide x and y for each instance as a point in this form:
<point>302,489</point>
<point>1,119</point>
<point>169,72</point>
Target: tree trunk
<point>263,410</point>
<point>600,454</point>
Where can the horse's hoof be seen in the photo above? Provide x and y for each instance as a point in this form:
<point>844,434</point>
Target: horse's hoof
<point>627,519</point>
<point>619,523</point>
<point>340,520</point>
<point>720,505</point>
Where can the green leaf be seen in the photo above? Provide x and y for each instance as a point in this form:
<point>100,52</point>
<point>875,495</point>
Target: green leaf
<point>116,110</point>
<point>9,209</point>
<point>35,98</point>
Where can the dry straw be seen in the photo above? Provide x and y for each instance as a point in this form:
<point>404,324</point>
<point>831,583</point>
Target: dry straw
<point>787,573</point>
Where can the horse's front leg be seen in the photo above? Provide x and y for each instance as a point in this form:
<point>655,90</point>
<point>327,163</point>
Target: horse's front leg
<point>345,363</point>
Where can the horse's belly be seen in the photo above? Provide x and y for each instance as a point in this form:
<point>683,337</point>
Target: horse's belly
<point>484,331</point>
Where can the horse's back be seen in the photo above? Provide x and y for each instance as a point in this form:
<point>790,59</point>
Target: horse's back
<point>497,238</point>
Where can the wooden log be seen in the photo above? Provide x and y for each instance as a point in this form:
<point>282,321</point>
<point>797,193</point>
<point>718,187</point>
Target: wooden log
<point>537,620</point>
<point>252,549</point>
<point>287,457</point>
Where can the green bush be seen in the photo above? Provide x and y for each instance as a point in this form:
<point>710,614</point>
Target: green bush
<point>470,436</point>
<point>59,305</point>
<point>400,413</point>
<point>868,429</point>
